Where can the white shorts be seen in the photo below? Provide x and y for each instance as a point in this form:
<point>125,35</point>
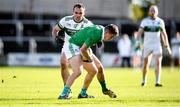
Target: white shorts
<point>153,49</point>
<point>71,50</point>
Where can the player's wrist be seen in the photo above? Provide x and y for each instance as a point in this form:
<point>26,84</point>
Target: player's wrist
<point>59,40</point>
<point>88,61</point>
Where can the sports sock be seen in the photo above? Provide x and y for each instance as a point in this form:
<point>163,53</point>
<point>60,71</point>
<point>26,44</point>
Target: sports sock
<point>65,90</point>
<point>158,79</point>
<point>144,80</point>
<point>83,92</point>
<point>103,86</point>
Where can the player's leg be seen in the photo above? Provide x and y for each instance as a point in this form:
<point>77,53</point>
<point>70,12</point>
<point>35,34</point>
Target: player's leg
<point>91,72</point>
<point>77,67</point>
<point>64,68</point>
<point>147,55</point>
<point>101,78</point>
<point>157,52</point>
<point>158,60</point>
<point>146,63</point>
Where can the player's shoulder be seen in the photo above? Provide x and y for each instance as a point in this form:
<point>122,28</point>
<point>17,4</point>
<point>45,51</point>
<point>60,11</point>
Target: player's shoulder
<point>100,26</point>
<point>67,18</point>
<point>93,28</point>
<point>97,28</point>
<point>146,19</point>
<point>85,20</point>
<point>160,19</point>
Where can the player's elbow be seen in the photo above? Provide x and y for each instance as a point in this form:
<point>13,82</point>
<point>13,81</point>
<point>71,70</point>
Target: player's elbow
<point>55,31</point>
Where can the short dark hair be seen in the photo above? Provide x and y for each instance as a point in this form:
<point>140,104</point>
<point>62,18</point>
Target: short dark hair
<point>112,28</point>
<point>78,5</point>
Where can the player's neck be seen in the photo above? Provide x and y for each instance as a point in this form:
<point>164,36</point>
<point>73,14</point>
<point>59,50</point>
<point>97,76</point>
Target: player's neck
<point>153,18</point>
<point>78,20</point>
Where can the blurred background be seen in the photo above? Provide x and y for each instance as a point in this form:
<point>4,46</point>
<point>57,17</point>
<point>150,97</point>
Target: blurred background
<point>25,29</point>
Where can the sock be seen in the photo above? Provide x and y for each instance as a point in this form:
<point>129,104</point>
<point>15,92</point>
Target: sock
<point>144,80</point>
<point>103,86</point>
<point>158,79</point>
<point>65,90</point>
<point>83,92</point>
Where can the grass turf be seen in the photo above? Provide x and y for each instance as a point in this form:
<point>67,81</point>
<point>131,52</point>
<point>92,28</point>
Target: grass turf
<point>38,86</point>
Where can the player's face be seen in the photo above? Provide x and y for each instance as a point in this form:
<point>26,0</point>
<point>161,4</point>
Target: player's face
<point>153,12</point>
<point>78,14</point>
<point>108,36</point>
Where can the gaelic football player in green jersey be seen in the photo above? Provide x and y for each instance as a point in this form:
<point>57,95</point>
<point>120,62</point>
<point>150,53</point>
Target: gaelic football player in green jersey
<point>77,52</point>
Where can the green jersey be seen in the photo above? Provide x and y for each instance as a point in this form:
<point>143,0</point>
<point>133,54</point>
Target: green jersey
<point>89,35</point>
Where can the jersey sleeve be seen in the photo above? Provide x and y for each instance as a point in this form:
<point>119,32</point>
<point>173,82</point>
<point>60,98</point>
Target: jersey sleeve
<point>87,23</point>
<point>88,42</point>
<point>61,23</point>
<point>93,38</point>
<point>162,25</point>
<point>142,25</point>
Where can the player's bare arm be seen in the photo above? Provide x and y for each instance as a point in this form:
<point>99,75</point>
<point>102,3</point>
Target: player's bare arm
<point>59,40</point>
<point>165,40</point>
<point>55,31</point>
<point>85,53</point>
<point>139,33</point>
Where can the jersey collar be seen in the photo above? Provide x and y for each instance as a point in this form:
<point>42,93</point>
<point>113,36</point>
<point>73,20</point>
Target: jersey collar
<point>152,18</point>
<point>103,29</point>
<point>79,21</point>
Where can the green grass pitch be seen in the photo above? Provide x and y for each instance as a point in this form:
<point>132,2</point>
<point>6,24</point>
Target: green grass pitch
<point>40,87</point>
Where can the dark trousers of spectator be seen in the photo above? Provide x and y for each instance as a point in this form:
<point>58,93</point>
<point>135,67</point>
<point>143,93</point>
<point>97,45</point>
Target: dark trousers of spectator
<point>125,62</point>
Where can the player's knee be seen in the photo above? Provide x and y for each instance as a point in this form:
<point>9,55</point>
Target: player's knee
<point>94,72</point>
<point>78,73</point>
<point>64,65</point>
<point>100,68</point>
<point>145,66</point>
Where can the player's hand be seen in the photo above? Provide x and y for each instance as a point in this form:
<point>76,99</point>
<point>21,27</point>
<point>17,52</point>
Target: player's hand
<point>88,58</point>
<point>99,44</point>
<point>84,59</point>
<point>169,50</point>
<point>61,33</point>
<point>59,41</point>
<point>88,61</point>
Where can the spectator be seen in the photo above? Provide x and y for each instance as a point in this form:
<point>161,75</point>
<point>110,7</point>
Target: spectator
<point>1,47</point>
<point>124,48</point>
<point>175,44</point>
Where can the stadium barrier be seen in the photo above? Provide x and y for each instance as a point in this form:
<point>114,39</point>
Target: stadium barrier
<point>36,59</point>
<point>52,59</point>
